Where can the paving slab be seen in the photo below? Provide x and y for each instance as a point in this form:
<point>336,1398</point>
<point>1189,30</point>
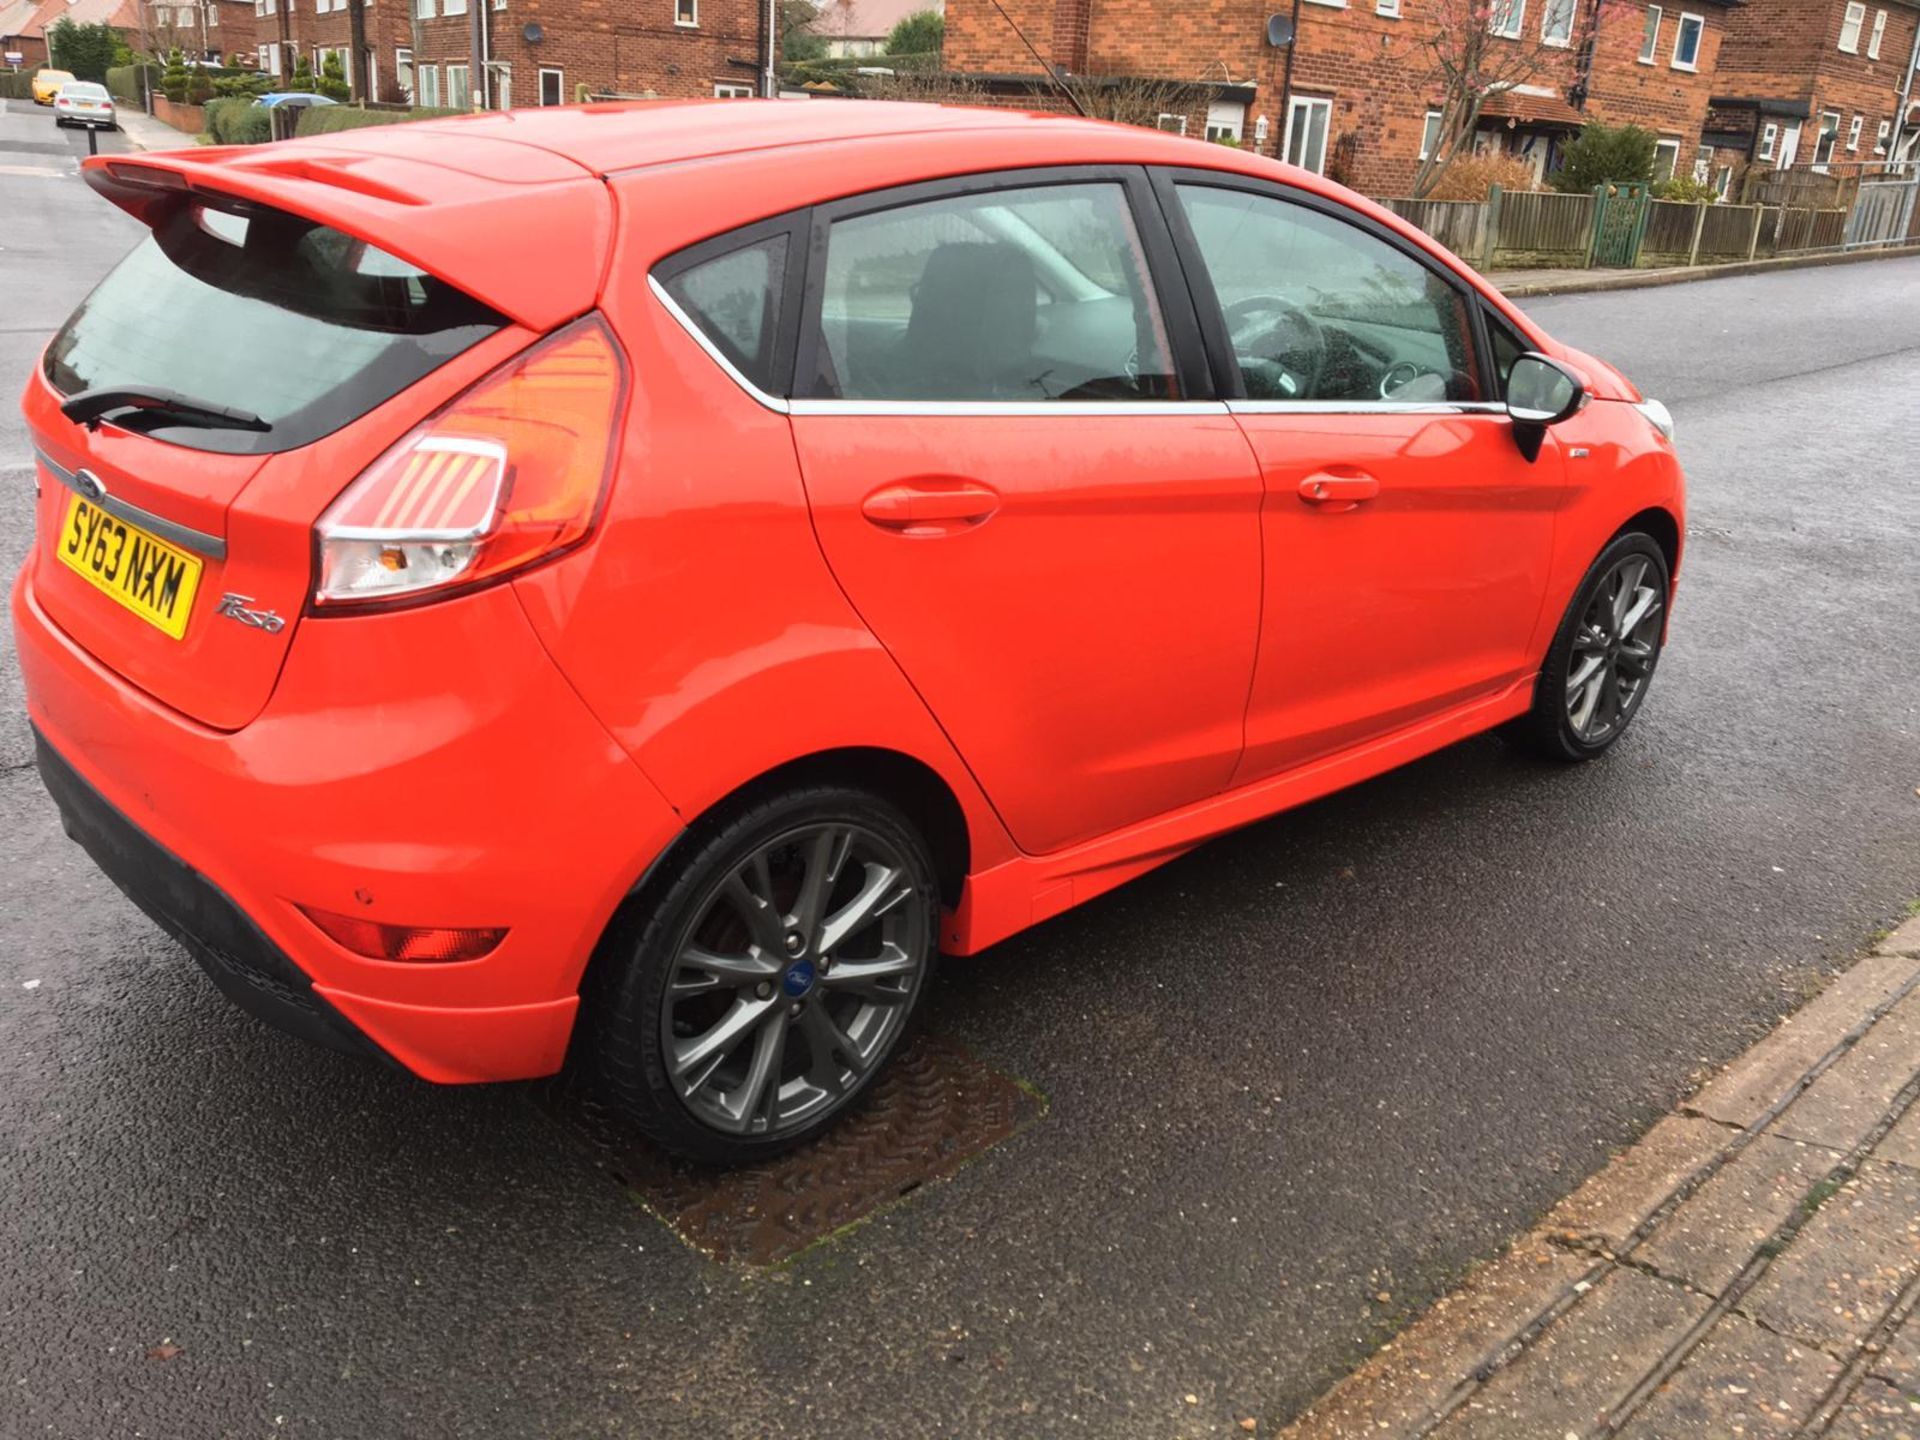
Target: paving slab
<point>1618,1198</point>
<point>1898,1363</point>
<point>1853,1095</point>
<point>1582,1366</point>
<point>1711,1237</point>
<point>1848,1264</point>
<point>1903,941</point>
<point>1409,1379</point>
<point>1877,1411</point>
<point>1741,1381</point>
<point>1901,1145</point>
<point>1747,1088</point>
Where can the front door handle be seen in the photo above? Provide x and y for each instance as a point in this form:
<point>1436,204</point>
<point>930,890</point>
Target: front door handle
<point>1338,492</point>
<point>930,507</point>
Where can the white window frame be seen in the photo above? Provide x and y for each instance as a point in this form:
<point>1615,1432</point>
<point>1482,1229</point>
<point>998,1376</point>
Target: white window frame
<point>1305,105</point>
<point>686,14</point>
<point>1723,181</point>
<point>1851,24</point>
<point>466,102</point>
<point>453,7</point>
<point>1390,9</point>
<point>1226,120</point>
<point>1330,4</point>
<point>559,88</point>
<point>424,9</point>
<point>213,15</point>
<point>1173,124</point>
<point>1769,137</point>
<point>1666,142</point>
<point>1546,18</point>
<point>1702,167</point>
<point>1853,132</point>
<point>1508,20</point>
<point>1881,137</point>
<point>1650,36</point>
<point>426,86</point>
<point>1430,132</point>
<point>1699,23</point>
<point>403,68</point>
<point>1821,162</point>
<point>731,90</point>
<point>1878,34</point>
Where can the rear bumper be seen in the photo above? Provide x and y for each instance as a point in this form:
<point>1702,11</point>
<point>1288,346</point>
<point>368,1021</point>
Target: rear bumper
<point>429,767</point>
<point>250,969</point>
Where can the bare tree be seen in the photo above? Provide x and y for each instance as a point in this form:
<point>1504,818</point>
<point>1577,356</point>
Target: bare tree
<point>1478,49</point>
<point>1130,99</point>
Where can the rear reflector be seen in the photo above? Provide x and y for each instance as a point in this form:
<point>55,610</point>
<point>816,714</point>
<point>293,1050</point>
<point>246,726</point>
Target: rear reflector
<point>510,474</point>
<point>419,944</point>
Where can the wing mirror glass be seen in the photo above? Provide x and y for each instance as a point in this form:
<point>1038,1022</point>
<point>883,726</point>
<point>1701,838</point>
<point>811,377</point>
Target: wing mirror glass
<point>1540,392</point>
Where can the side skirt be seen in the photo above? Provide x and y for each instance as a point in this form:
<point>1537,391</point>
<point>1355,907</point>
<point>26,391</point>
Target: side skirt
<point>1024,891</point>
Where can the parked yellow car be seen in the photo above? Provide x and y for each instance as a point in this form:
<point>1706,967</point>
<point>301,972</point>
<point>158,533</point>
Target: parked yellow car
<point>47,83</point>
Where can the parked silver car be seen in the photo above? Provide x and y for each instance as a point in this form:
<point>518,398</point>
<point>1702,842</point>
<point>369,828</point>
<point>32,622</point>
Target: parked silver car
<point>81,102</point>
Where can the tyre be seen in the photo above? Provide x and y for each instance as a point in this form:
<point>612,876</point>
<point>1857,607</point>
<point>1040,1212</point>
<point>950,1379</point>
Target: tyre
<point>756,990</point>
<point>1603,656</point>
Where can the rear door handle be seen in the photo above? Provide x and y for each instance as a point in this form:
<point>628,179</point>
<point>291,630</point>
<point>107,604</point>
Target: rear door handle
<point>930,507</point>
<point>1340,492</point>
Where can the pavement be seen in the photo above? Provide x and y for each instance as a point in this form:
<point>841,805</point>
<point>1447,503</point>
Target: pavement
<point>1750,1267</point>
<point>1571,281</point>
<point>1344,1055</point>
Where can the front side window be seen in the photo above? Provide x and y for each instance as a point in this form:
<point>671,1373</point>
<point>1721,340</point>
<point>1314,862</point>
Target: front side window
<point>1650,36</point>
<point>1556,25</point>
<point>1856,16</point>
<point>1033,294</point>
<point>1307,123</point>
<point>1318,309</point>
<point>735,300</point>
<point>1686,43</point>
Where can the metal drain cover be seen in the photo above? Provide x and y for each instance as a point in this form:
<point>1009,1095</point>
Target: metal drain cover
<point>936,1108</point>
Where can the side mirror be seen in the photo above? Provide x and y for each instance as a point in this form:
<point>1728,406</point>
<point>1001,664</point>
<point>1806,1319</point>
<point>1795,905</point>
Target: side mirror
<point>1540,392</point>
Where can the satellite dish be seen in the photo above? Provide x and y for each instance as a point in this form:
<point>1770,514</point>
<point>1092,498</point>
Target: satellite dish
<point>532,33</point>
<point>1279,31</point>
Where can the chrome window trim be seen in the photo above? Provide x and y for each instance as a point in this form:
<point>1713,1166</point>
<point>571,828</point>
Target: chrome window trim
<point>688,324</point>
<point>172,531</point>
<point>1007,407</point>
<point>1366,407</point>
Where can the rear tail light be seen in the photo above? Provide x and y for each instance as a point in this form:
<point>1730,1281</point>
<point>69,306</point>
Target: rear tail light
<point>512,473</point>
<point>414,944</point>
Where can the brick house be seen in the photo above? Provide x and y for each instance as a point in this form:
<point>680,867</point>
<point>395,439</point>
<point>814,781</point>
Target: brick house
<point>219,30</point>
<point>1359,106</point>
<point>542,52</point>
<point>1815,84</point>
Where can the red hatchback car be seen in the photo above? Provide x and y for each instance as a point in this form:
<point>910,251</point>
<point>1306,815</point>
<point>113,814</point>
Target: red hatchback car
<point>645,580</point>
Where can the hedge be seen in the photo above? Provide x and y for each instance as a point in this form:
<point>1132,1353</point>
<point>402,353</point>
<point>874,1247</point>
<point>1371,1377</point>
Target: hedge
<point>236,120</point>
<point>16,86</point>
<point>326,119</point>
<point>123,83</point>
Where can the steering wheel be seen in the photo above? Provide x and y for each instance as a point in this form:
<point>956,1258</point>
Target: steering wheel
<point>1281,348</point>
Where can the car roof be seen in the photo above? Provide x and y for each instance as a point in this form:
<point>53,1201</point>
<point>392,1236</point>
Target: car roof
<point>611,137</point>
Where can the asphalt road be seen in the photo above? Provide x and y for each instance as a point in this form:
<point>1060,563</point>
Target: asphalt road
<point>1336,1058</point>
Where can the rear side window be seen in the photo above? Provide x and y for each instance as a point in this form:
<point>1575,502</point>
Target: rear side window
<point>735,300</point>
<point>301,325</point>
<point>1038,293</point>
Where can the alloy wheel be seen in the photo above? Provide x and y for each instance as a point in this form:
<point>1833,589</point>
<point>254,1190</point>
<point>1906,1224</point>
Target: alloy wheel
<point>794,979</point>
<point>1615,647</point>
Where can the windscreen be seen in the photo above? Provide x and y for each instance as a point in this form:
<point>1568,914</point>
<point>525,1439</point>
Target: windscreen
<point>262,312</point>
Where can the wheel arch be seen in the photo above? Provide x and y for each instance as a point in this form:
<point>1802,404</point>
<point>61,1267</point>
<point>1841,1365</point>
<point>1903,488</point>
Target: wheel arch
<point>1660,523</point>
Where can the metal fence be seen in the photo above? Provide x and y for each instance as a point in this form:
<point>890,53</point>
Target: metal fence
<point>1886,212</point>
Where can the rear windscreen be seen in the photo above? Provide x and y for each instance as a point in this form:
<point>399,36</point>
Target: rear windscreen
<point>259,311</point>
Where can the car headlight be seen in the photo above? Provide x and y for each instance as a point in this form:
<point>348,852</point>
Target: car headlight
<point>1658,416</point>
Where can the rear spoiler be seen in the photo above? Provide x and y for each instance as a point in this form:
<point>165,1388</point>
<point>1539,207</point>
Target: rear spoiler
<point>522,230</point>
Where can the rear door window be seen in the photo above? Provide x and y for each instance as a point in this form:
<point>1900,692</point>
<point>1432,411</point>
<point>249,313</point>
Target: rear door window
<point>1037,293</point>
<point>259,311</point>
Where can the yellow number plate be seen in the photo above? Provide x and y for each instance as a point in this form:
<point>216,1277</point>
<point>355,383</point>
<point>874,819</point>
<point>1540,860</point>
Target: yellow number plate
<point>153,579</point>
